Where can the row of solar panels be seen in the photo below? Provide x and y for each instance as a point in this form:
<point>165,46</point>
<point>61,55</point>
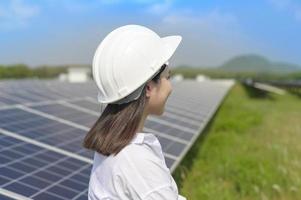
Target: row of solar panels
<point>43,123</point>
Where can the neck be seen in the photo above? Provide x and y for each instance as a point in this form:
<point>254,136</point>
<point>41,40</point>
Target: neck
<point>141,124</point>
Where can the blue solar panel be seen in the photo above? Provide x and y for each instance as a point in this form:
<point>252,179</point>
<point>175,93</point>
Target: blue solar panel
<point>2,197</point>
<point>68,113</point>
<point>38,173</point>
<point>45,130</point>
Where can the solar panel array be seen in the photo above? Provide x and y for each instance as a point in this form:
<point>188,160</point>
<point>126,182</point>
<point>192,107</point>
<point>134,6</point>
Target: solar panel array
<point>43,123</point>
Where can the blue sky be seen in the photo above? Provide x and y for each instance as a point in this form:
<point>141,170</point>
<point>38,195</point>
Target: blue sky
<point>54,32</point>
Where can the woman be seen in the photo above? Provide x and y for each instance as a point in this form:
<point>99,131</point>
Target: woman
<point>130,69</point>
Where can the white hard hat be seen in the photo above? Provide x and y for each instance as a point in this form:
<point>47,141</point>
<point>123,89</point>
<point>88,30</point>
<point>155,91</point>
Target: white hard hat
<point>126,59</point>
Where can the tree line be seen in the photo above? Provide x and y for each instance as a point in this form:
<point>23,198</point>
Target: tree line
<point>19,71</point>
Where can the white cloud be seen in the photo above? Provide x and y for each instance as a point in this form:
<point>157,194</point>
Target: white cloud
<point>214,21</point>
<point>134,1</point>
<point>298,15</point>
<point>73,6</point>
<point>280,4</point>
<point>208,38</point>
<point>15,14</point>
<point>290,6</point>
<point>152,6</point>
<point>110,1</point>
<point>160,7</point>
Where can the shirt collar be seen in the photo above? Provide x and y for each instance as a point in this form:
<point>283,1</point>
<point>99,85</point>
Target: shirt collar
<point>151,140</point>
<point>141,138</point>
<point>138,139</point>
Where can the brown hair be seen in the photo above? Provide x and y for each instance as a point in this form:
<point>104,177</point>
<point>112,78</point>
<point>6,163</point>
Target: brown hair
<point>117,124</point>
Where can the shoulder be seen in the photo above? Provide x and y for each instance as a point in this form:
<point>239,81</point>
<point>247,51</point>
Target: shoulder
<point>144,149</point>
<point>141,169</point>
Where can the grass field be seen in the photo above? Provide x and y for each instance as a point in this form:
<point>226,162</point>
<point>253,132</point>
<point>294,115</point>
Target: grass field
<point>250,150</point>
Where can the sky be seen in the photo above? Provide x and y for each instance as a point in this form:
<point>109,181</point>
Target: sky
<point>60,32</point>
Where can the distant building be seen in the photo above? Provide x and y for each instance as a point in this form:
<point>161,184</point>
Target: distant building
<point>177,77</point>
<point>63,77</point>
<point>76,73</point>
<point>201,77</point>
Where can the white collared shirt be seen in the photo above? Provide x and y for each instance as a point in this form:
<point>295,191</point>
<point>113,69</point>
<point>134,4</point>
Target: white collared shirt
<point>138,171</point>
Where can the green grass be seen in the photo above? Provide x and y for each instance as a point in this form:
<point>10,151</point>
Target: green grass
<point>250,150</point>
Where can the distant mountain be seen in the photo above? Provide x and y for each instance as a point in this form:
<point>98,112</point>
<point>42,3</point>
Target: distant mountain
<point>256,63</point>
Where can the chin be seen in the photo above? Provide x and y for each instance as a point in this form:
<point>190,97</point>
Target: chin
<point>158,113</point>
<point>161,112</point>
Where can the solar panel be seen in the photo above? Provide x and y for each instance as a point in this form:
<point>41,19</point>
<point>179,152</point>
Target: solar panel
<point>35,172</point>
<point>43,123</point>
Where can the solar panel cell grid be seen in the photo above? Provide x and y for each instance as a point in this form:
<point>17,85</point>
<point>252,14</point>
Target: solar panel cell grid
<point>36,171</point>
<point>41,151</point>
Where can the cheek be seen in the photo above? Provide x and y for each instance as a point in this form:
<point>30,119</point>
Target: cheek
<point>163,94</point>
<point>159,97</point>
<point>167,89</point>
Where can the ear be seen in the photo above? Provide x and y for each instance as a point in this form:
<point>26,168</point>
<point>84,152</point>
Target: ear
<point>149,88</point>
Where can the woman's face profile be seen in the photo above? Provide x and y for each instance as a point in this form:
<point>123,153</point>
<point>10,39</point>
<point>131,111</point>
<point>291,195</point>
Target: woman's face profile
<point>158,93</point>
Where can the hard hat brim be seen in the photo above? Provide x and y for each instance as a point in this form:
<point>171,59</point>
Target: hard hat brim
<point>171,44</point>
